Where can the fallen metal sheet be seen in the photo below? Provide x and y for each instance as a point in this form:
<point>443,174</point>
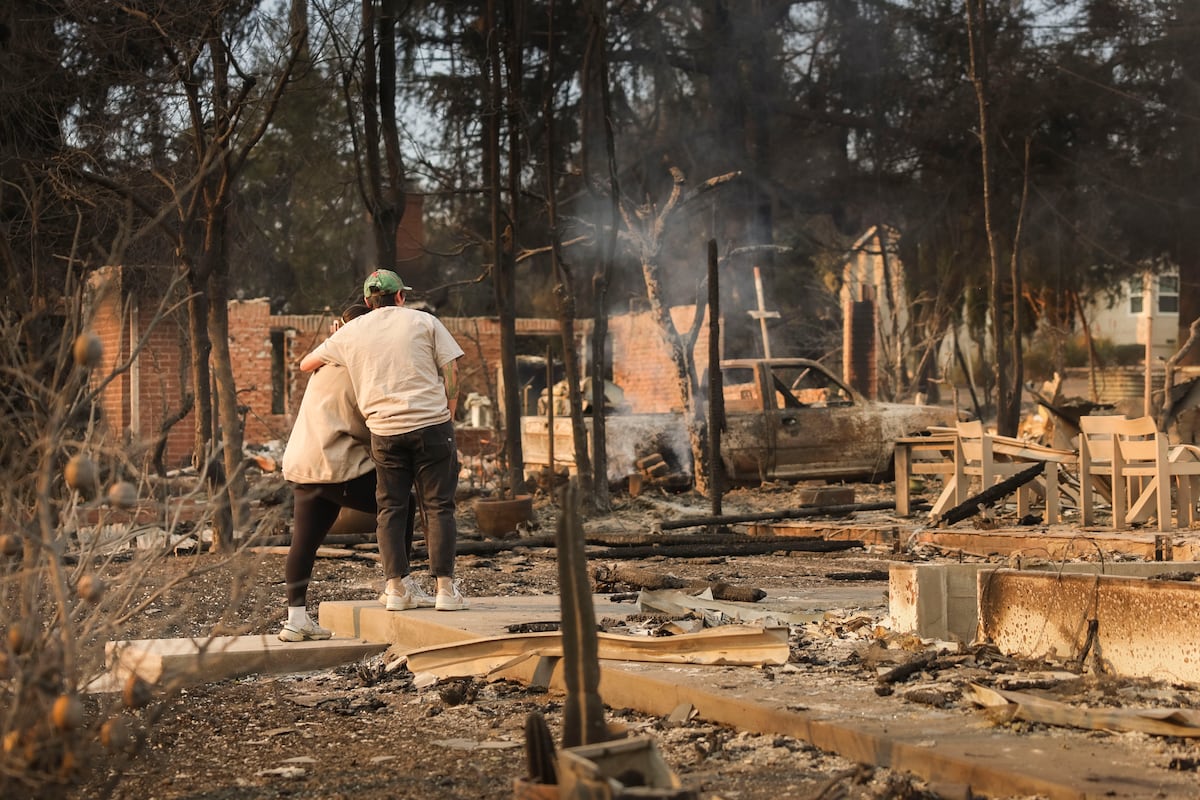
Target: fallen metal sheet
<point>1031,708</point>
<point>729,645</point>
<point>670,601</point>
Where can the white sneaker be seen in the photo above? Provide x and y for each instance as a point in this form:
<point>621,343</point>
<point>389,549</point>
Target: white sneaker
<point>413,597</point>
<point>424,598</point>
<point>450,600</point>
<point>397,602</point>
<point>309,631</point>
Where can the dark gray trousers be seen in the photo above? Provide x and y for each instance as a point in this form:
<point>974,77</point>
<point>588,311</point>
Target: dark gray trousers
<point>427,460</point>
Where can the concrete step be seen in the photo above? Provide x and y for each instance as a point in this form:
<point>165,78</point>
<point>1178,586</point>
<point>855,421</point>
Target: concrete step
<point>191,661</point>
<point>423,627</point>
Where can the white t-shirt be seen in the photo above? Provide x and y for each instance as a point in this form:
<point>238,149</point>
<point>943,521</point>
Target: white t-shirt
<point>330,442</point>
<point>393,356</point>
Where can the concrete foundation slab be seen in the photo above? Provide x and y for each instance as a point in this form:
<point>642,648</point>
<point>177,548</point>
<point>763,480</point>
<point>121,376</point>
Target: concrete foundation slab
<point>940,601</point>
<point>190,661</point>
<point>1128,626</point>
<point>492,616</point>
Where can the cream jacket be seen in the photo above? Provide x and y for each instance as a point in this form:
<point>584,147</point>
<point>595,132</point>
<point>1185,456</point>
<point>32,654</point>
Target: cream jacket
<point>330,442</point>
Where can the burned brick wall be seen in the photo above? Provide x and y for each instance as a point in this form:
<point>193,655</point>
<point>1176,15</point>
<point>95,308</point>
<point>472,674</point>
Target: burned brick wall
<point>265,350</point>
<point>258,351</point>
<point>479,338</point>
<point>132,309</point>
<point>142,309</point>
<point>641,360</point>
<point>105,300</point>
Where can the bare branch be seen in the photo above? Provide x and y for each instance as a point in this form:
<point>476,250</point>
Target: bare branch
<point>531,252</point>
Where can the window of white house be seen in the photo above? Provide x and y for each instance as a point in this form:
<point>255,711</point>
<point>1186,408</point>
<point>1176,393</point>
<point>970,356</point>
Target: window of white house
<point>1168,294</point>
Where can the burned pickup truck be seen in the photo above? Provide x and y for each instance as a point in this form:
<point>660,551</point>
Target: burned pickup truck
<point>786,419</point>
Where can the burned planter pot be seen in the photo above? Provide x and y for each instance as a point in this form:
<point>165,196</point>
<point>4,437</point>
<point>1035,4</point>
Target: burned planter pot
<point>498,517</point>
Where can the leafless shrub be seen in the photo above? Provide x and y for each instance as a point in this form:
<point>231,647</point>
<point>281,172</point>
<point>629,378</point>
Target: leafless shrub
<point>89,554</point>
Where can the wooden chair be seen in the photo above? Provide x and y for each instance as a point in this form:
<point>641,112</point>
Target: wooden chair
<point>1149,467</point>
<point>1099,462</point>
<point>976,457</point>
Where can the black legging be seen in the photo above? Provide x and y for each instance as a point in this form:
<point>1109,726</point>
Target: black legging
<point>317,506</point>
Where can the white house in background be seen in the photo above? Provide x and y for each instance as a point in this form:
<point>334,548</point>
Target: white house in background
<point>1149,302</point>
<point>875,305</point>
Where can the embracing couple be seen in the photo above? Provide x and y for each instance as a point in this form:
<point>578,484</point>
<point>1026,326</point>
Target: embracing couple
<point>375,432</point>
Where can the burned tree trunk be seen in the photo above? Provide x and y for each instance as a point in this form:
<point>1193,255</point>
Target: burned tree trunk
<point>564,291</point>
<point>644,231</point>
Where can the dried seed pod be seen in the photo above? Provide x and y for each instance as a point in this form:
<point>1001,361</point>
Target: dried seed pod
<point>10,544</point>
<point>137,692</point>
<point>20,637</point>
<point>122,494</point>
<point>87,349</point>
<point>82,474</point>
<point>116,733</point>
<point>68,712</point>
<point>90,588</point>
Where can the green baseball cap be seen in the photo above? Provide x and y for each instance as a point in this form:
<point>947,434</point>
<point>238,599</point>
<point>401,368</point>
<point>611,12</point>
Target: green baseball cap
<point>383,281</point>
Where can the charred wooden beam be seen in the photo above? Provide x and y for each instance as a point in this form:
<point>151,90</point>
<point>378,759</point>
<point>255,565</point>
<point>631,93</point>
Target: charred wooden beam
<point>764,516</point>
<point>680,546</point>
<point>859,575</point>
<point>972,505</point>
<point>741,547</point>
<point>611,578</point>
<point>905,671</point>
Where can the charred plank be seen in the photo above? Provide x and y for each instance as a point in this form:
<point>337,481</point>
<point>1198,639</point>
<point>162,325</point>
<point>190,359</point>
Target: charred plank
<point>618,577</point>
<point>972,505</point>
<point>763,516</point>
<point>683,545</point>
<point>859,575</point>
<point>743,547</point>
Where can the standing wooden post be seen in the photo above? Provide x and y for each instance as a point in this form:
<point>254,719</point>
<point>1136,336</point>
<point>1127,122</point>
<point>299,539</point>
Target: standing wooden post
<point>583,710</point>
<point>1146,329</point>
<point>716,386</point>
<point>550,418</point>
<point>761,314</point>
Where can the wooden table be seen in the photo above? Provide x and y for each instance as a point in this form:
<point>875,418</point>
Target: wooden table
<point>936,455</point>
<point>923,455</point>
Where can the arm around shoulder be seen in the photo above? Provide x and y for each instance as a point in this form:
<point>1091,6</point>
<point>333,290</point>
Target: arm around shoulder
<point>311,362</point>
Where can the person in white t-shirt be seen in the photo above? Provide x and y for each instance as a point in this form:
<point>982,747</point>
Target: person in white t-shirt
<point>403,366</point>
<point>328,461</point>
